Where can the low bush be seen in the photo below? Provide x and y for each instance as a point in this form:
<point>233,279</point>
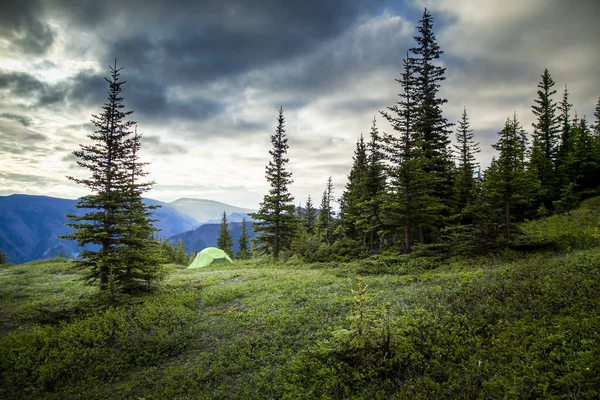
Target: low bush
<point>45,359</point>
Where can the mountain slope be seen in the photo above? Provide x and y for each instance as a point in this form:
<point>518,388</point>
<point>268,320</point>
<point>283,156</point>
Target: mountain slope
<point>206,210</point>
<point>233,217</point>
<point>29,225</point>
<point>206,236</point>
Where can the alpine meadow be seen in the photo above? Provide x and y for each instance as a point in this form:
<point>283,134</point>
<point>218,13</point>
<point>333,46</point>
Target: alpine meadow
<point>454,260</point>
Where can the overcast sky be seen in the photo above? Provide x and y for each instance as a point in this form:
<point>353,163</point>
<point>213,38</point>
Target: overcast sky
<point>205,80</point>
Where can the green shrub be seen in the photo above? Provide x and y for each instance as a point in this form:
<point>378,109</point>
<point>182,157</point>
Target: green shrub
<point>95,349</point>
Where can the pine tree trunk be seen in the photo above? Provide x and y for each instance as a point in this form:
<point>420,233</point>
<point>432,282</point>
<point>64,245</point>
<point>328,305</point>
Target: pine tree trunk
<point>421,235</point>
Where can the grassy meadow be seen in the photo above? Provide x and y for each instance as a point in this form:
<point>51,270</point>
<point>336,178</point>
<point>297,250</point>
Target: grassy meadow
<point>516,325</point>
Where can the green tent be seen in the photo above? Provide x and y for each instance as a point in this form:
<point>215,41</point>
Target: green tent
<point>208,256</point>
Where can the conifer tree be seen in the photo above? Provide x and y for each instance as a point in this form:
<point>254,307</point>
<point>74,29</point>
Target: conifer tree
<point>225,240</point>
<point>596,126</point>
<point>325,217</point>
<point>181,256</point>
<point>583,165</point>
<point>371,206</point>
<point>432,127</point>
<point>115,219</point>
<point>310,216</point>
<point>355,192</point>
<point>276,223</point>
<point>509,181</point>
<point>467,148</point>
<point>545,139</point>
<point>243,240</point>
<point>566,141</point>
<point>141,251</point>
<point>407,199</point>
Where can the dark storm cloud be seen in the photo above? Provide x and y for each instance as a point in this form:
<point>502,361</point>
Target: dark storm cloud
<point>146,97</point>
<point>207,40</point>
<point>361,52</point>
<point>26,87</point>
<point>21,26</point>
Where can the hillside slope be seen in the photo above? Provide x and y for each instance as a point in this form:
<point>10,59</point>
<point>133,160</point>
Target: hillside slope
<point>514,326</point>
<point>206,236</point>
<point>30,225</point>
<point>203,210</point>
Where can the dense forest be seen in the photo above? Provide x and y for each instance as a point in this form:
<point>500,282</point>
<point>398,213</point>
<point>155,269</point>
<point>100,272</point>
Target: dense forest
<point>413,190</point>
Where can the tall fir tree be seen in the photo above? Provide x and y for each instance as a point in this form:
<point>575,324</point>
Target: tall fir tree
<point>545,139</point>
<point>115,216</point>
<point>406,201</point>
<point>565,146</point>
<point>371,207</point>
<point>404,156</point>
<point>465,174</point>
<point>310,216</point>
<point>432,128</point>
<point>583,164</point>
<point>325,217</point>
<point>510,183</point>
<point>141,252</point>
<point>596,126</point>
<point>181,256</point>
<point>355,192</point>
<point>243,241</point>
<point>276,222</point>
<point>225,240</point>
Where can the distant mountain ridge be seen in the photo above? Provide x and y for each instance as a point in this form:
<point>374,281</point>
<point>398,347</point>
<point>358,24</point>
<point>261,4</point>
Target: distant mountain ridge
<point>30,225</point>
<point>233,217</point>
<point>206,236</point>
<point>205,211</point>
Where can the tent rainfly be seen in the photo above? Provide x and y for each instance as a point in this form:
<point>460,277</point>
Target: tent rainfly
<point>208,256</point>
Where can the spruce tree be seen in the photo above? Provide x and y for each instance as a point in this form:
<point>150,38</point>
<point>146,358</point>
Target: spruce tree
<point>325,217</point>
<point>407,198</point>
<point>566,141</point>
<point>276,223</point>
<point>583,164</point>
<point>243,241</point>
<point>140,250</point>
<point>467,148</point>
<point>310,216</point>
<point>545,139</point>
<point>509,181</point>
<point>371,206</point>
<point>225,240</point>
<point>432,127</point>
<point>596,126</point>
<point>355,192</point>
<point>181,256</point>
<point>114,217</point>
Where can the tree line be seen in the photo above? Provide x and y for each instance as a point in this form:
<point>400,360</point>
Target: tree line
<point>413,188</point>
<point>406,191</point>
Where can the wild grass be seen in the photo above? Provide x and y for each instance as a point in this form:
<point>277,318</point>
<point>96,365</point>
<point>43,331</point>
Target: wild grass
<point>508,326</point>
